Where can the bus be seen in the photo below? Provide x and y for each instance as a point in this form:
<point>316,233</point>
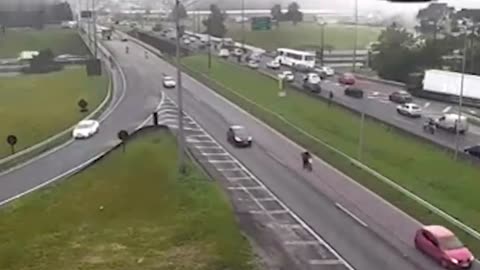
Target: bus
<point>289,57</point>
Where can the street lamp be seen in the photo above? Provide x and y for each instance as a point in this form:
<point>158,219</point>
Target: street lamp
<point>180,135</point>
<point>355,37</point>
<point>243,24</point>
<point>322,41</point>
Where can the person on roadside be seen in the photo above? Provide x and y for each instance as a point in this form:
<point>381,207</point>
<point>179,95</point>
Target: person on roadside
<point>307,161</point>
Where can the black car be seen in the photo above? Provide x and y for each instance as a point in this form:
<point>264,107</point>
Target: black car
<point>238,136</point>
<point>473,151</point>
<point>354,92</point>
<point>400,97</point>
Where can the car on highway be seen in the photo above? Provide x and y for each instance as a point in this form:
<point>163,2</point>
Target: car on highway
<point>302,68</point>
<point>252,64</point>
<point>286,75</point>
<point>409,109</point>
<point>225,53</point>
<point>451,122</point>
<point>186,41</point>
<point>347,78</point>
<point>169,82</point>
<point>273,64</point>
<point>238,52</point>
<point>443,246</point>
<point>473,151</point>
<point>85,129</point>
<point>124,39</point>
<point>311,82</point>
<point>400,97</point>
<point>328,71</point>
<point>238,136</point>
<point>353,92</point>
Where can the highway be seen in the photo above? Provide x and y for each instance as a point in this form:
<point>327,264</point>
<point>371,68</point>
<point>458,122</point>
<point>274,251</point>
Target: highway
<point>367,231</point>
<point>376,104</point>
<point>130,105</point>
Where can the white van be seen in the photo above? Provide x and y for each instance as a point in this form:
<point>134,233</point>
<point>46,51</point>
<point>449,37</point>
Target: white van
<point>225,53</point>
<point>451,122</point>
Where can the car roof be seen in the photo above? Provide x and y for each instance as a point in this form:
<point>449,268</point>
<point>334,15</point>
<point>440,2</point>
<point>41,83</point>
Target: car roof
<point>438,231</point>
<point>237,127</point>
<point>411,104</point>
<point>87,122</point>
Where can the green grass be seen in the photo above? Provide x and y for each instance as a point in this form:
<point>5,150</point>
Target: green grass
<point>418,166</point>
<point>35,107</point>
<point>152,218</point>
<point>61,41</point>
<point>305,35</point>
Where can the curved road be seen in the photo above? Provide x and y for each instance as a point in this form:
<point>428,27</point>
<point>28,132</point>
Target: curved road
<point>377,237</point>
<point>130,106</point>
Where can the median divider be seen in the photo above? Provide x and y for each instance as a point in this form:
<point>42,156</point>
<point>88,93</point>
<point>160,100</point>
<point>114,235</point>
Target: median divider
<point>63,137</point>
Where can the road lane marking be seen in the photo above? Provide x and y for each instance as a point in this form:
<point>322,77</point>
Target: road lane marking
<point>447,109</point>
<point>301,243</point>
<point>214,154</point>
<point>426,105</point>
<point>325,262</point>
<point>229,170</point>
<point>216,161</point>
<point>244,188</point>
<point>351,215</point>
<point>207,147</point>
<point>266,212</point>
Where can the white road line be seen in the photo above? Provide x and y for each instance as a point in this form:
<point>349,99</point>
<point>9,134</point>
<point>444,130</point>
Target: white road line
<point>216,161</point>
<point>239,178</point>
<point>266,200</point>
<point>207,147</point>
<point>200,141</point>
<point>266,212</point>
<point>301,243</point>
<point>447,109</point>
<point>244,188</point>
<point>357,219</point>
<point>214,154</point>
<point>325,262</point>
<point>199,136</point>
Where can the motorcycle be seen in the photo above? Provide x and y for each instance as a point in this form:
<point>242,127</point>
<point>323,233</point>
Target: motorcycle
<point>429,127</point>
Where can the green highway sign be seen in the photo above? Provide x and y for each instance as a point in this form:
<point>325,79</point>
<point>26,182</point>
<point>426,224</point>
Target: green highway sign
<point>261,23</point>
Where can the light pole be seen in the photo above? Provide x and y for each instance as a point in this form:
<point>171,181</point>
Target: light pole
<point>243,24</point>
<point>94,15</point>
<point>180,135</point>
<point>355,37</point>
<point>460,98</point>
<point>360,136</point>
<point>322,40</point>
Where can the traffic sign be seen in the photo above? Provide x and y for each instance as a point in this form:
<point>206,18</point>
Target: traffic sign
<point>261,23</point>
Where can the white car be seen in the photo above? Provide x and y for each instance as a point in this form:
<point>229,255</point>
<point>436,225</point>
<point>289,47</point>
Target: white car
<point>327,71</point>
<point>238,52</point>
<point>287,75</point>
<point>273,64</point>
<point>186,41</point>
<point>409,109</point>
<point>169,82</point>
<point>253,64</point>
<point>224,53</point>
<point>85,129</point>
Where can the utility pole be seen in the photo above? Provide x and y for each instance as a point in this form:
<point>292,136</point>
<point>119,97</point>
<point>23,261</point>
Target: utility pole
<point>94,14</point>
<point>360,137</point>
<point>243,25</point>
<point>209,45</point>
<point>322,48</point>
<point>355,37</point>
<point>180,135</point>
<point>460,98</point>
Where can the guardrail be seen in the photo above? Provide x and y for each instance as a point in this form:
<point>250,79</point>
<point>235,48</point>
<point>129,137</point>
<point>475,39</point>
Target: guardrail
<point>27,153</point>
<point>439,212</point>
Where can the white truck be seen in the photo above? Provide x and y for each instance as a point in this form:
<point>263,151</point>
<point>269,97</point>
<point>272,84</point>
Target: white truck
<point>449,83</point>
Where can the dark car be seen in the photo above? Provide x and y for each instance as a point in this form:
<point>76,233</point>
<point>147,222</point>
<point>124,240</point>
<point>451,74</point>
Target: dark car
<point>400,97</point>
<point>354,92</point>
<point>473,151</point>
<point>238,136</point>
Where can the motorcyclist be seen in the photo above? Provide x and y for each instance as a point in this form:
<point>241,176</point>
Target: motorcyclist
<point>126,49</point>
<point>146,54</point>
<point>430,125</point>
<point>307,161</point>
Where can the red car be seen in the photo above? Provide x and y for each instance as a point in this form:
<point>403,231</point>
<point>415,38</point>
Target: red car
<point>347,78</point>
<point>443,246</point>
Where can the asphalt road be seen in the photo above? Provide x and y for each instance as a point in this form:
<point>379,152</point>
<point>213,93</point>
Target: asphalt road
<point>372,235</point>
<point>376,104</point>
<point>131,105</point>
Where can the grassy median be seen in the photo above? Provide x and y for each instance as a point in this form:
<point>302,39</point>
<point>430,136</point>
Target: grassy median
<point>60,41</point>
<point>35,107</point>
<point>152,218</point>
<point>306,35</point>
<point>420,167</point>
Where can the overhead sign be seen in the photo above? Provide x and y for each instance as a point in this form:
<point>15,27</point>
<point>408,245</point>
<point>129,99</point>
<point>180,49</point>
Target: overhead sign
<point>261,23</point>
<point>86,14</point>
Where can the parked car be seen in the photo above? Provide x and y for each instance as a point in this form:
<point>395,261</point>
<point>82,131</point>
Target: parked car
<point>287,76</point>
<point>169,82</point>
<point>451,122</point>
<point>312,82</point>
<point>443,246</point>
<point>409,109</point>
<point>85,129</point>
<point>400,97</point>
<point>473,151</point>
<point>354,92</point>
<point>238,136</point>
<point>347,78</point>
<point>252,64</point>
<point>273,64</point>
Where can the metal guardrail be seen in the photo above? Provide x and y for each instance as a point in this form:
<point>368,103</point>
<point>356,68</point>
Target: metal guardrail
<point>472,232</point>
<point>66,131</point>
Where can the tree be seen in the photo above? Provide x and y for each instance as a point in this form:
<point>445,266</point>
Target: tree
<point>293,14</point>
<point>180,10</point>
<point>44,62</point>
<point>277,14</point>
<point>434,18</point>
<point>215,23</point>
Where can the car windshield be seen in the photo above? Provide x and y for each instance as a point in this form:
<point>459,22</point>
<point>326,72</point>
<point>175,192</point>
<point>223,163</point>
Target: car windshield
<point>84,125</point>
<point>449,243</point>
